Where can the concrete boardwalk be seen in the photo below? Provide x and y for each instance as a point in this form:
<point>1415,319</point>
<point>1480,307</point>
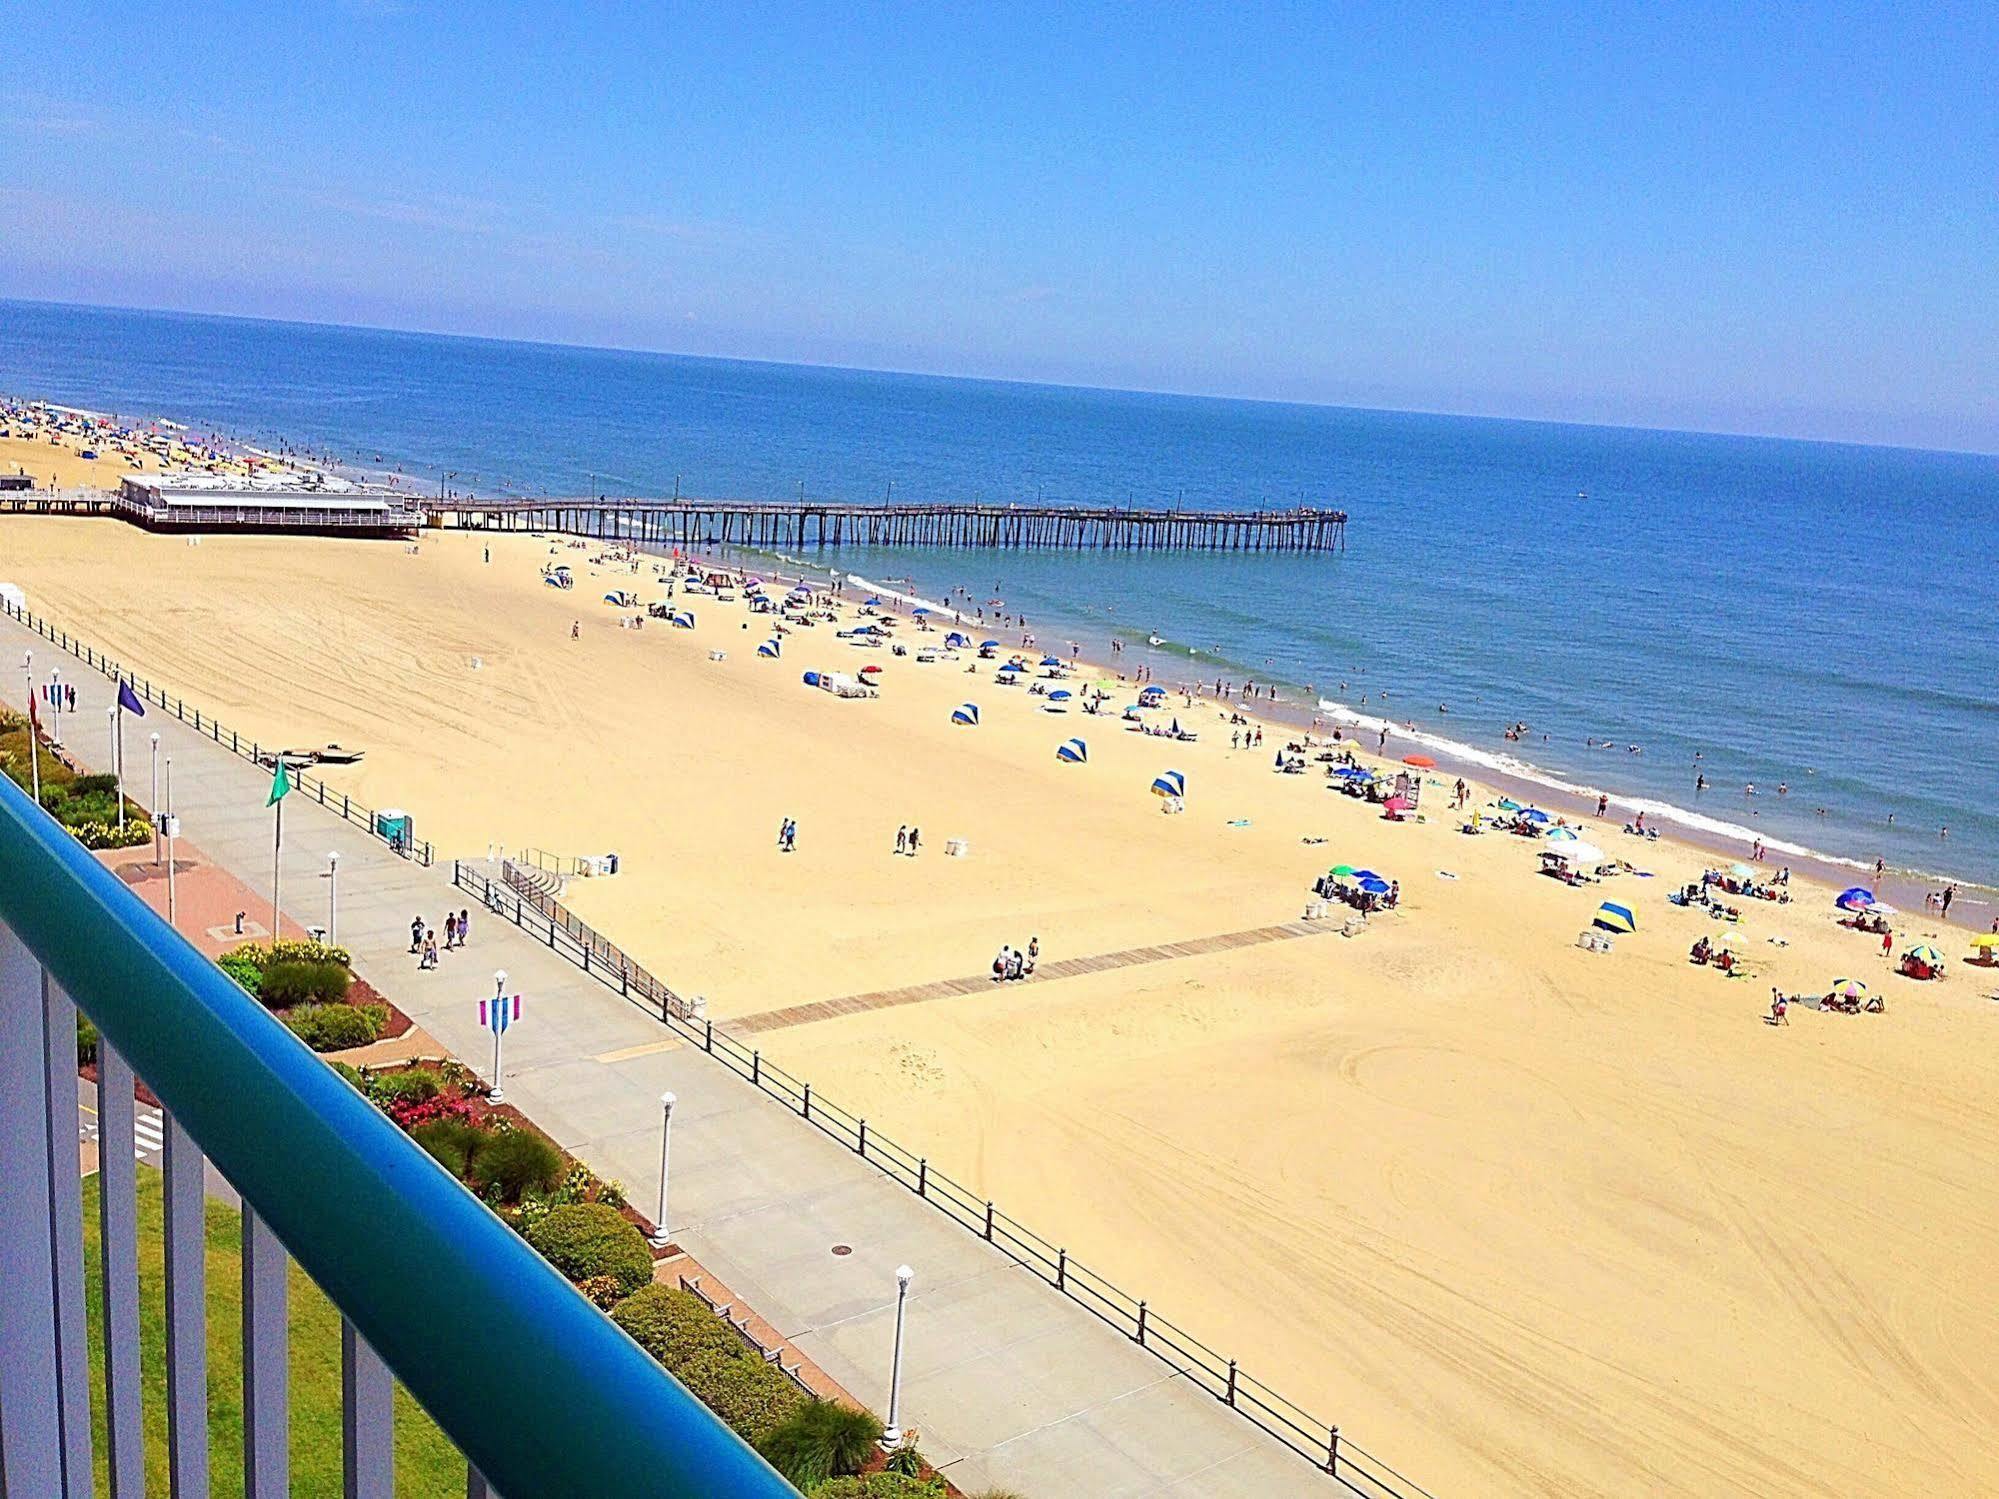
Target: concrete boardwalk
<point>1007,1382</point>
<point>1065,968</point>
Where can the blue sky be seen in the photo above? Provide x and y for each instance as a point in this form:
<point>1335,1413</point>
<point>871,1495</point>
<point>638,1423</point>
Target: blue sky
<point>1772,220</point>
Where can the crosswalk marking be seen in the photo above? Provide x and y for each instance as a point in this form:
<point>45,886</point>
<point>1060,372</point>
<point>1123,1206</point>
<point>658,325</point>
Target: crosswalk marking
<point>148,1133</point>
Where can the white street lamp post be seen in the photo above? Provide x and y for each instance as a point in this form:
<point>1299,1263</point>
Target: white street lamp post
<point>154,804</point>
<point>660,1237</point>
<point>34,739</point>
<point>499,1030</point>
<point>333,898</point>
<point>892,1433</point>
<point>117,761</point>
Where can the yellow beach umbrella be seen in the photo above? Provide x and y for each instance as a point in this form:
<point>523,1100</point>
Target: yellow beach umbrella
<point>1986,940</point>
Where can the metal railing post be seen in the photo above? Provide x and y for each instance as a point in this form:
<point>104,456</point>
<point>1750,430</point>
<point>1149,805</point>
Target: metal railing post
<point>118,1273</point>
<point>66,1236</point>
<point>187,1313</point>
<point>31,1450</point>
<point>367,1420</point>
<point>266,1383</point>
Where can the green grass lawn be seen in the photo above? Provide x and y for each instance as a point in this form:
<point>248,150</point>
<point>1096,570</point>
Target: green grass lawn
<point>426,1462</point>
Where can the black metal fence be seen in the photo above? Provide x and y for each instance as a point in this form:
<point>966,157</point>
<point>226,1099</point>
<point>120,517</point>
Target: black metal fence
<point>249,749</point>
<point>541,915</point>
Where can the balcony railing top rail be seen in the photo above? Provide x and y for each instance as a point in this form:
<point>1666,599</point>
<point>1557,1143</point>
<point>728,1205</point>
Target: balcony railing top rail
<point>427,1278</point>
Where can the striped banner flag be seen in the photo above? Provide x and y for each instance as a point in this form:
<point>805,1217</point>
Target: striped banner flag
<point>497,1014</point>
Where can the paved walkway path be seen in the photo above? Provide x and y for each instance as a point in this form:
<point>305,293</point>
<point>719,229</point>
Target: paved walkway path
<point>1066,968</point>
<point>1011,1383</point>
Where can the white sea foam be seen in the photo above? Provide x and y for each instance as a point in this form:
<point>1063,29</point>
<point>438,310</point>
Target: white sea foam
<point>1525,770</point>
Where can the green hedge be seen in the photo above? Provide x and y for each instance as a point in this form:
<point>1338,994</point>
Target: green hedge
<point>675,1327</point>
<point>297,983</point>
<point>86,1040</point>
<point>454,1143</point>
<point>750,1396</point>
<point>517,1161</point>
<point>587,1238</point>
<point>413,1086</point>
<point>337,1027</point>
<point>879,1486</point>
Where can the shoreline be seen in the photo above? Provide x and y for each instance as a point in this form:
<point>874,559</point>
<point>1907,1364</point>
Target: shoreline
<point>1975,908</point>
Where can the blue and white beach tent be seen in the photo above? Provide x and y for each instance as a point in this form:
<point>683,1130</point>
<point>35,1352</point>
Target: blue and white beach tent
<point>966,713</point>
<point>770,648</point>
<point>1169,783</point>
<point>684,620</point>
<point>1073,752</point>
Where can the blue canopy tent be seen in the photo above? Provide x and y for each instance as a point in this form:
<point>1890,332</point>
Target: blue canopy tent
<point>965,713</point>
<point>1073,752</point>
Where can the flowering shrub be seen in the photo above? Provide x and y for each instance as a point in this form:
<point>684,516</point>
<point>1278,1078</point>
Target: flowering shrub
<point>409,1113</point>
<point>604,1291</point>
<point>109,835</point>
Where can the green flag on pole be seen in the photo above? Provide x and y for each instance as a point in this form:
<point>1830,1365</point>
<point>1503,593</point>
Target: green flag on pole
<point>281,784</point>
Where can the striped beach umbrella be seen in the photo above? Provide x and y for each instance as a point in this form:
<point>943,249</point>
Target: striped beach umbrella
<point>1169,784</point>
<point>966,713</point>
<point>684,620</point>
<point>1073,752</point>
<point>1615,918</point>
<point>1855,898</point>
<point>1924,953</point>
<point>1849,988</point>
<point>769,648</point>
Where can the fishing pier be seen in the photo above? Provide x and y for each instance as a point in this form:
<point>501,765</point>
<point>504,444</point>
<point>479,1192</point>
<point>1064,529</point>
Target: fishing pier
<point>812,524</point>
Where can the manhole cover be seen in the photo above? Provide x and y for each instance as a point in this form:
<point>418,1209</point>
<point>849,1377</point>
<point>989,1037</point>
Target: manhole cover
<point>843,1249</point>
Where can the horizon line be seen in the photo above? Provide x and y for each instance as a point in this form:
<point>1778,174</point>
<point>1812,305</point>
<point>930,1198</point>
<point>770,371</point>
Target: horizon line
<point>922,374</point>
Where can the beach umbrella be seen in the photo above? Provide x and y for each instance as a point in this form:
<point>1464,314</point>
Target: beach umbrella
<point>1925,954</point>
<point>1364,874</point>
<point>1615,918</point>
<point>1060,695</point>
<point>989,645</point>
<point>1374,884</point>
<point>1849,988</point>
<point>1421,762</point>
<point>1561,835</point>
<point>1985,941</point>
<point>1051,661</point>
<point>1535,814</point>
<point>1395,804</point>
<point>1507,804</point>
<point>871,671</point>
<point>1175,730</point>
<point>919,610</point>
<point>1280,754</point>
<point>1574,851</point>
<point>1153,691</point>
<point>955,639</point>
<point>1073,752</point>
<point>769,648</point>
<point>965,713</point>
<point>1881,908</point>
<point>683,620</point>
<point>872,604</point>
<point>1341,871</point>
<point>1855,898</point>
<point>1169,783</point>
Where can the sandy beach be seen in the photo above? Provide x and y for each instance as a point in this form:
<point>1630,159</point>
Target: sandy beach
<point>1522,1218</point>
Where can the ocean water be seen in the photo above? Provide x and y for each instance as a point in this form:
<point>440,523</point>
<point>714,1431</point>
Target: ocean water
<point>1765,612</point>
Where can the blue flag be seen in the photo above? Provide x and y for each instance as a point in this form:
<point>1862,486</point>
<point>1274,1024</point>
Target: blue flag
<point>129,700</point>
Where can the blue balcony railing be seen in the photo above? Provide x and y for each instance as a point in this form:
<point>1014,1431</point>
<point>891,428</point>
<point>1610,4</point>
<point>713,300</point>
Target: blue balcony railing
<point>538,1389</point>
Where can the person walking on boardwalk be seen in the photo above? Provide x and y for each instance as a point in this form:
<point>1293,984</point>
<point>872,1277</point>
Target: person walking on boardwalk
<point>464,924</point>
<point>450,930</point>
<point>416,934</point>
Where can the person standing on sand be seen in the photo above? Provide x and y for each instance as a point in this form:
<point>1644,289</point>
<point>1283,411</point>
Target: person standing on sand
<point>1949,895</point>
<point>1602,803</point>
<point>576,629</point>
<point>1887,942</point>
<point>915,838</point>
<point>902,838</point>
<point>1001,963</point>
